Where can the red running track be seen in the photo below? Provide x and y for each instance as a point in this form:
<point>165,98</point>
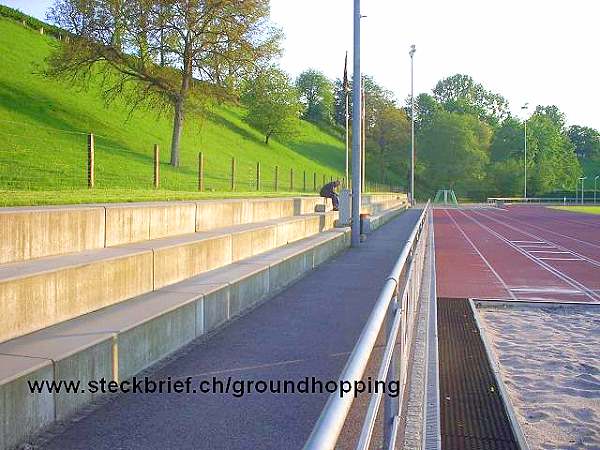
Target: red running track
<point>520,253</point>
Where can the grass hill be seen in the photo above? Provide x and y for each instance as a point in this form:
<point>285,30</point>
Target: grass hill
<point>44,126</point>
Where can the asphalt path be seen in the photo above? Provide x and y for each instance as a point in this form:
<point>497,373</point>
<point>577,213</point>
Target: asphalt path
<point>306,331</point>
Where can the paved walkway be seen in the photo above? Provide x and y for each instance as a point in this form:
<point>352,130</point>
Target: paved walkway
<point>307,330</point>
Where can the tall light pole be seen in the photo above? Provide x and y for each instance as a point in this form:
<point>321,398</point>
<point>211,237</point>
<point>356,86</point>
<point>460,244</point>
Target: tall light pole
<point>363,155</point>
<point>595,187</point>
<point>347,97</point>
<point>356,130</point>
<point>582,189</point>
<point>412,51</point>
<point>525,107</point>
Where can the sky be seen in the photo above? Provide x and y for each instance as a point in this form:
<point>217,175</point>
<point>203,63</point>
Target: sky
<point>530,51</point>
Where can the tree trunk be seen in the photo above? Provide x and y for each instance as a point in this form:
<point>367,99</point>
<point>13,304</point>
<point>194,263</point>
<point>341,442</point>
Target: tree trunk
<point>163,61</point>
<point>186,79</point>
<point>177,128</point>
<point>267,137</point>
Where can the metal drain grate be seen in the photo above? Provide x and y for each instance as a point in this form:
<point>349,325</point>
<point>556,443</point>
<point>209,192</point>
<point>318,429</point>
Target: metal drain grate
<point>472,413</point>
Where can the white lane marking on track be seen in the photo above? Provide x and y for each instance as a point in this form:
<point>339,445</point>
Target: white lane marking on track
<point>547,246</point>
<point>481,256</point>
<point>527,242</point>
<point>574,283</point>
<point>553,232</point>
<point>547,258</point>
<point>550,251</point>
<point>560,247</point>
<point>548,290</point>
<point>561,301</point>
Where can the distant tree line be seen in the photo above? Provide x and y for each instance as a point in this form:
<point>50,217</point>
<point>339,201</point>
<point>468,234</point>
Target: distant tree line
<point>468,140</point>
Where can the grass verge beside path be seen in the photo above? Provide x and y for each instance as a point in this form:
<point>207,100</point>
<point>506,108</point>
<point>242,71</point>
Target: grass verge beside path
<point>33,198</point>
<point>579,209</point>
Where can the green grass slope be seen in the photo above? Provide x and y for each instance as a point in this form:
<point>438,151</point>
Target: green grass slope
<point>44,125</point>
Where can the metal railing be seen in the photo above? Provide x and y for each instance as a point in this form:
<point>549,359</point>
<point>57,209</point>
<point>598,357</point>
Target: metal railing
<point>499,201</point>
<point>397,305</point>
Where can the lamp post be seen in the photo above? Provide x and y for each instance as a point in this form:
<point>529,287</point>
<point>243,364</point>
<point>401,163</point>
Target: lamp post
<point>525,107</point>
<point>347,96</point>
<point>412,51</point>
<point>595,187</point>
<point>582,190</point>
<point>356,131</point>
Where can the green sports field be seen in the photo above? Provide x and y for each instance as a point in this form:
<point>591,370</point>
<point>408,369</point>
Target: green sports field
<point>580,209</point>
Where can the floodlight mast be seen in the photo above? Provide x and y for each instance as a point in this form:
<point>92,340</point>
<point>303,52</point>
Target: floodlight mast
<point>582,179</point>
<point>356,131</point>
<point>412,51</point>
<point>525,107</point>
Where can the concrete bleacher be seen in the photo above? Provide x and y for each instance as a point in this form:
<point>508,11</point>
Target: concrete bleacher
<point>104,291</point>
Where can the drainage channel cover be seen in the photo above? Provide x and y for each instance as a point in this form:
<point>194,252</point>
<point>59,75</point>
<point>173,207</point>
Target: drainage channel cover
<point>472,413</point>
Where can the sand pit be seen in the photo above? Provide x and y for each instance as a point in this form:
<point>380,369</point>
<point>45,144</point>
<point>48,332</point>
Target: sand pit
<point>550,363</point>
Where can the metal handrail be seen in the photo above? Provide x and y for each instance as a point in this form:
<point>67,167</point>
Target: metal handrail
<point>565,199</point>
<point>327,430</point>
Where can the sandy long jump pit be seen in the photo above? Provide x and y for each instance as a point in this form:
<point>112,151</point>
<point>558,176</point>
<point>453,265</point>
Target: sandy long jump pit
<point>549,361</point>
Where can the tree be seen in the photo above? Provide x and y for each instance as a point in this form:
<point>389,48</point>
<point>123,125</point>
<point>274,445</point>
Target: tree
<point>460,93</point>
<point>551,160</point>
<point>425,108</point>
<point>553,113</point>
<point>586,141</point>
<point>455,150</point>
<point>508,141</point>
<point>506,178</point>
<point>173,54</point>
<point>273,103</point>
<point>316,94</point>
<point>377,98</point>
<point>389,140</point>
<point>339,103</point>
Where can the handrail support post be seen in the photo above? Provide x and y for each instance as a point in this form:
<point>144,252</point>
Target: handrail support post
<point>392,404</point>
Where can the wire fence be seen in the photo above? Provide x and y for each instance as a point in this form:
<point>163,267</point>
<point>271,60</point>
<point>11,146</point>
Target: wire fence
<point>54,159</point>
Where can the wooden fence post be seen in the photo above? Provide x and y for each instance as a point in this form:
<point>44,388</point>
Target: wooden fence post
<point>291,180</point>
<point>200,172</point>
<point>156,166</point>
<point>233,174</point>
<point>324,179</point>
<point>304,184</point>
<point>91,178</point>
<point>315,181</point>
<point>276,178</point>
<point>258,176</point>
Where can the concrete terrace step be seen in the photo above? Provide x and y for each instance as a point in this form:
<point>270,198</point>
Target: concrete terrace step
<point>36,232</point>
<point>39,293</point>
<point>381,217</point>
<point>120,340</point>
